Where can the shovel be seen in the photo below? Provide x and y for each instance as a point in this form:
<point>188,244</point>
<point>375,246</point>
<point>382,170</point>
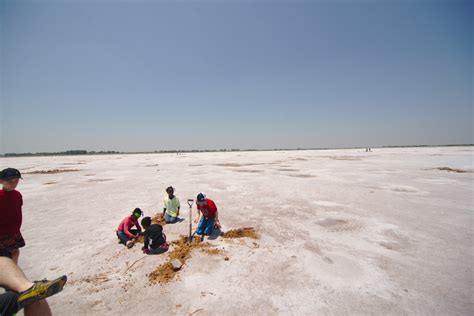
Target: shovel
<point>190,203</point>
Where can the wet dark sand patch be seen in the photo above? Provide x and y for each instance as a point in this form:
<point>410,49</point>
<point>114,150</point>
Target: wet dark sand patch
<point>287,169</point>
<point>390,246</point>
<point>301,176</point>
<point>248,170</point>
<point>450,170</point>
<point>99,180</point>
<point>350,158</point>
<point>236,165</point>
<point>339,225</point>
<point>51,182</point>
<point>328,222</point>
<point>52,171</point>
<point>228,165</point>
<point>404,189</point>
<point>313,247</point>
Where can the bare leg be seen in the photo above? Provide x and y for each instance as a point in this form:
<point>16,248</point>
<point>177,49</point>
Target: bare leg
<point>15,255</point>
<point>12,277</point>
<point>40,308</point>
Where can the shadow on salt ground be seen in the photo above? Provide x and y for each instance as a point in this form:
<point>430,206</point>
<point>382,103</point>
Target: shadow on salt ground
<point>216,232</point>
<point>178,220</point>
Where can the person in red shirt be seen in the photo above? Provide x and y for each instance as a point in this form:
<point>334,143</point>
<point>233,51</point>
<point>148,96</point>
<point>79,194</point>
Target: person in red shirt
<point>11,202</point>
<point>125,234</point>
<point>208,209</point>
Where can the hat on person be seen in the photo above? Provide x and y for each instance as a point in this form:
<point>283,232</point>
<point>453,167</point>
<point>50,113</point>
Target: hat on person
<point>9,174</point>
<point>137,212</point>
<point>200,197</point>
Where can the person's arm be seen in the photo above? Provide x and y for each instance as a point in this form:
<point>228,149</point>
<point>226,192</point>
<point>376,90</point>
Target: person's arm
<point>198,215</point>
<point>138,225</point>
<point>147,240</point>
<point>217,222</point>
<point>179,206</point>
<point>127,232</point>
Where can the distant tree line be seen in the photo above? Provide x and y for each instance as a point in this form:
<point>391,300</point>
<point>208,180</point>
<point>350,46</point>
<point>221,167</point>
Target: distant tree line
<point>174,151</point>
<point>61,153</point>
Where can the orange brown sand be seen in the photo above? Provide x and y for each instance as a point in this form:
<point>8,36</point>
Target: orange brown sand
<point>241,232</point>
<point>182,251</point>
<point>158,219</point>
<point>93,279</point>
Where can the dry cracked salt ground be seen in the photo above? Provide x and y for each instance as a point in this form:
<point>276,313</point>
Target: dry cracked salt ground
<point>342,232</point>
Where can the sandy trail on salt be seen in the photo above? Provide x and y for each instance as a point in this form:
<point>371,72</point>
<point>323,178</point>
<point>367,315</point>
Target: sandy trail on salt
<point>341,231</point>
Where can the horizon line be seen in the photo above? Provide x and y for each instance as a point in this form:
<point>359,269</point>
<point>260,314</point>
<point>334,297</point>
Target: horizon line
<point>81,152</point>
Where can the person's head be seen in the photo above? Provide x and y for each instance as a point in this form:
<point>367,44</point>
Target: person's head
<point>137,213</point>
<point>170,190</point>
<point>146,222</point>
<point>9,178</point>
<point>201,199</point>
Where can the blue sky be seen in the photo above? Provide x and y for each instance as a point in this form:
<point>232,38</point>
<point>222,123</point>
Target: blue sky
<point>152,75</point>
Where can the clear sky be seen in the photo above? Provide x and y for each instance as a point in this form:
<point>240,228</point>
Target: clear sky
<point>152,75</point>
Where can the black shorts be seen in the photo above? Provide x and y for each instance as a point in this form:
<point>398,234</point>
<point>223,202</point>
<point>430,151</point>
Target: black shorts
<point>8,243</point>
<point>5,253</point>
<point>8,303</point>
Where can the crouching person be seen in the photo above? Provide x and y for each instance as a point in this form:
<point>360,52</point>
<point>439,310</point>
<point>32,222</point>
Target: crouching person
<point>125,234</point>
<point>209,218</point>
<point>155,240</point>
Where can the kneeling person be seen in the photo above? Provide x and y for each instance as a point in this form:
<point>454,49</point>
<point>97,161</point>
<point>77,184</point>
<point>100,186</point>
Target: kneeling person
<point>124,231</point>
<point>171,207</point>
<point>153,233</point>
<point>209,218</point>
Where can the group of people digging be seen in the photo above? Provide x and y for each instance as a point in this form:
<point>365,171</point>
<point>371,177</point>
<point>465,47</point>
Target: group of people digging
<point>21,293</point>
<point>154,238</point>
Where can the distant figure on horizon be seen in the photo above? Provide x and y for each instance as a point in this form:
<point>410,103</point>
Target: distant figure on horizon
<point>11,202</point>
<point>171,206</point>
<point>209,217</point>
<point>155,239</point>
<point>125,234</point>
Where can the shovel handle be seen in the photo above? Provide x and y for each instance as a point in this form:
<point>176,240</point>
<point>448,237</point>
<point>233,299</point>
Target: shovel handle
<point>190,203</point>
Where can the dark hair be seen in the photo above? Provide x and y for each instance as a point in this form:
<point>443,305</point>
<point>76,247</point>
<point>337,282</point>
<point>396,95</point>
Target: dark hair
<point>146,221</point>
<point>137,211</point>
<point>169,188</point>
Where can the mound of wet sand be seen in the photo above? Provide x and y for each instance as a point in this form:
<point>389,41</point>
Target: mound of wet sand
<point>182,251</point>
<point>241,232</point>
<point>158,219</point>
